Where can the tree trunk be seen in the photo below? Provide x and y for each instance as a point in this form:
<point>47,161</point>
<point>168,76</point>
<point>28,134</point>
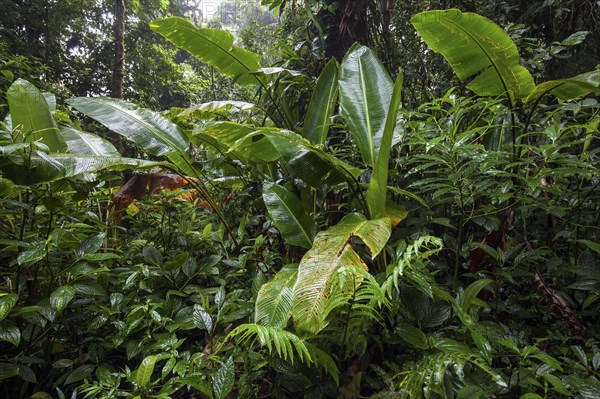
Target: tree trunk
<point>119,62</point>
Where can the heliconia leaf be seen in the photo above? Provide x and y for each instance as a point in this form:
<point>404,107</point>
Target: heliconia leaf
<point>86,143</point>
<point>568,89</point>
<point>7,302</point>
<point>141,185</point>
<point>474,45</point>
<point>288,215</point>
<point>211,46</point>
<point>322,104</point>
<point>273,306</point>
<point>224,379</point>
<point>31,115</point>
<point>377,191</point>
<point>395,212</point>
<point>145,371</point>
<point>365,94</point>
<point>316,292</point>
<point>147,129</point>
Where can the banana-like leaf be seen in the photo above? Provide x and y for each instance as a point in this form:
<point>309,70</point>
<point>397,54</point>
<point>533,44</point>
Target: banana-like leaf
<point>322,104</point>
<point>474,45</point>
<point>295,225</point>
<point>31,115</point>
<point>317,291</point>
<point>222,109</point>
<point>86,143</point>
<point>236,140</point>
<point>211,46</point>
<point>274,301</point>
<point>568,89</point>
<point>145,128</point>
<point>377,192</point>
<point>45,168</point>
<point>365,94</point>
<point>308,162</point>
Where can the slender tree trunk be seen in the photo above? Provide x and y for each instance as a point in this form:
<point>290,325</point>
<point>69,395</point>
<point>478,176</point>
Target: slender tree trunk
<point>119,62</point>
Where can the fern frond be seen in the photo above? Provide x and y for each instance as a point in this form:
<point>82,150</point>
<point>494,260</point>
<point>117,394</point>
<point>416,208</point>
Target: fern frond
<point>410,260</point>
<point>286,345</point>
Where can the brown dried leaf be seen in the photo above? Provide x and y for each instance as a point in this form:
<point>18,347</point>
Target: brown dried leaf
<point>141,185</point>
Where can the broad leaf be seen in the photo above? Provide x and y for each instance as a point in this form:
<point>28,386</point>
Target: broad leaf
<point>145,371</point>
<point>61,297</point>
<point>274,301</point>
<point>377,192</point>
<point>31,115</point>
<point>211,46</point>
<point>288,215</point>
<point>7,302</point>
<point>224,379</point>
<point>223,109</point>
<point>474,45</point>
<point>568,89</point>
<point>147,129</point>
<point>322,104</point>
<point>86,143</point>
<point>365,94</point>
<point>317,290</point>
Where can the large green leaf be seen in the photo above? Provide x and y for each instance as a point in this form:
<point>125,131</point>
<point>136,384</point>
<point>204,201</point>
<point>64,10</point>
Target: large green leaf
<point>568,89</point>
<point>147,129</point>
<point>224,379</point>
<point>365,94</point>
<point>274,301</point>
<point>7,302</point>
<point>31,115</point>
<point>288,215</point>
<point>236,140</point>
<point>377,192</point>
<point>222,109</point>
<point>145,371</point>
<point>86,143</point>
<point>211,46</point>
<point>317,292</point>
<point>322,104</point>
<point>474,45</point>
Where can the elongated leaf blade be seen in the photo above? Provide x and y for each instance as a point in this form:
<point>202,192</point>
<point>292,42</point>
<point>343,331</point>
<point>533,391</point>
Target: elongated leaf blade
<point>145,128</point>
<point>365,94</point>
<point>211,46</point>
<point>292,221</point>
<point>474,45</point>
<point>377,191</point>
<point>316,293</point>
<point>30,113</point>
<point>86,143</point>
<point>322,104</point>
<point>145,371</point>
<point>568,89</point>
<point>273,306</point>
<point>224,379</point>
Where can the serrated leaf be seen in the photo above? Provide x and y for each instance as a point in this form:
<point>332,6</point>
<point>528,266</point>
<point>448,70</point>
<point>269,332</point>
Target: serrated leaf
<point>61,297</point>
<point>144,373</point>
<point>224,379</point>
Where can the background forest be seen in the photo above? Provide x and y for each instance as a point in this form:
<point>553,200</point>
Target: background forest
<point>318,198</point>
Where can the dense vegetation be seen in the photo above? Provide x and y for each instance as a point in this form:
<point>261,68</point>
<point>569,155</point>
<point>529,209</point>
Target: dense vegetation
<point>358,201</point>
